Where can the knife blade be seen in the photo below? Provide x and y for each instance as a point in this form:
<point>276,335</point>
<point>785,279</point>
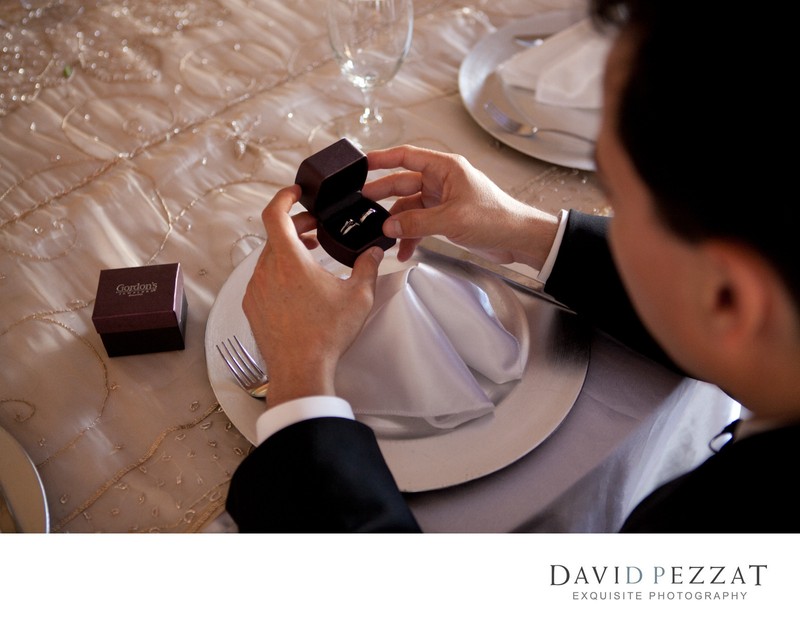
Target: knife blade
<point>532,39</point>
<point>434,247</point>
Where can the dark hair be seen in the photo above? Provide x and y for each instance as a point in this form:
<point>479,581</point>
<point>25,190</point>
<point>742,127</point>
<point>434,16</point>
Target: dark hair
<point>708,123</point>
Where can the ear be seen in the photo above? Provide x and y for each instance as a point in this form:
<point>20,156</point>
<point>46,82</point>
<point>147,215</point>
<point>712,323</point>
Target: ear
<point>740,292</point>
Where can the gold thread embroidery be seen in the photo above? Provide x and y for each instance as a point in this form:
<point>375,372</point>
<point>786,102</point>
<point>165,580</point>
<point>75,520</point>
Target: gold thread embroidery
<point>139,463</point>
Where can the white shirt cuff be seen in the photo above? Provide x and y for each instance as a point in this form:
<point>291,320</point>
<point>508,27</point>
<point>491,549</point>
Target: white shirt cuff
<point>547,268</point>
<point>288,413</point>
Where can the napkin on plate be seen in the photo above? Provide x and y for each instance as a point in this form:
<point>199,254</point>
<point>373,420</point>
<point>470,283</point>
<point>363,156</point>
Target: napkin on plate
<point>413,357</point>
<point>565,70</point>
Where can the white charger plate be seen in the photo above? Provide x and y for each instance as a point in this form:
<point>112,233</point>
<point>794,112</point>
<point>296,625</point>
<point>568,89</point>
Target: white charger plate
<point>22,486</point>
<point>526,412</point>
<point>478,84</point>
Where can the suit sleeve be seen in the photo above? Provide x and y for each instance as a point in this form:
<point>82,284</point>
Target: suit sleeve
<point>585,278</point>
<point>323,475</point>
<point>327,475</point>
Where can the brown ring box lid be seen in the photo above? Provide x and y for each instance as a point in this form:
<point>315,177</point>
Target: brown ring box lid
<point>331,182</point>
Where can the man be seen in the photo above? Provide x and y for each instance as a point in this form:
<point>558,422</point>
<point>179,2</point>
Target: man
<point>715,284</point>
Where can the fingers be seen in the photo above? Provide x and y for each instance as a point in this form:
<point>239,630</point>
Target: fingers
<point>276,214</point>
<point>406,156</point>
<point>386,158</point>
<point>416,223</point>
<point>407,204</point>
<point>406,249</point>
<point>309,241</point>
<point>402,183</point>
<point>280,227</point>
<point>304,222</point>
<point>285,232</point>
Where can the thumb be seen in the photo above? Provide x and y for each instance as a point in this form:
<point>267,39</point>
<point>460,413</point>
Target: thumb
<point>417,222</point>
<point>365,269</point>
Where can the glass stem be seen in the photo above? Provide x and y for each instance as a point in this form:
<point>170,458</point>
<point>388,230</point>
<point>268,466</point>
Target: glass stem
<point>371,115</point>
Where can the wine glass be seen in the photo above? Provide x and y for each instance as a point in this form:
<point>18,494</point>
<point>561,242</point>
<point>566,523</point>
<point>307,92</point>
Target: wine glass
<point>370,39</point>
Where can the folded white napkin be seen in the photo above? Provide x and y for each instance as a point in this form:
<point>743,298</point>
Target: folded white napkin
<point>565,70</point>
<point>413,357</point>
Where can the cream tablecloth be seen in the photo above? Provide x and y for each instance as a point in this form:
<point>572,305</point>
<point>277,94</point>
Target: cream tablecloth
<point>142,132</point>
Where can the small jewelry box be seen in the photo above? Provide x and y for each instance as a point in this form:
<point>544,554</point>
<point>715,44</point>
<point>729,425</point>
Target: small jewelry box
<point>141,309</point>
<point>347,222</point>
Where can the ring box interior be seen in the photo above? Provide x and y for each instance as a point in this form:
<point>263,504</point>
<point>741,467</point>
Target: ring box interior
<point>347,222</point>
<point>141,309</point>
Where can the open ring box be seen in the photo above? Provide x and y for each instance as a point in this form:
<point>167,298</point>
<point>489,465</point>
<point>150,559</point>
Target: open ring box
<point>347,222</point>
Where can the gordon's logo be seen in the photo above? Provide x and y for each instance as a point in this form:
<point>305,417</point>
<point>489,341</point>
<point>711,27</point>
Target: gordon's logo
<point>136,289</point>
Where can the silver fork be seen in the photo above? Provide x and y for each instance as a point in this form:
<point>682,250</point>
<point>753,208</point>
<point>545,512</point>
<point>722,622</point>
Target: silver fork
<point>250,376</point>
<point>512,126</point>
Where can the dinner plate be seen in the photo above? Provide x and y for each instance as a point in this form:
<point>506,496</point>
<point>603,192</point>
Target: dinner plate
<point>526,412</point>
<point>22,486</point>
<point>478,84</point>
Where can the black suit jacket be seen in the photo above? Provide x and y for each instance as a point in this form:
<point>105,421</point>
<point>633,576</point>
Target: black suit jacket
<point>328,475</point>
